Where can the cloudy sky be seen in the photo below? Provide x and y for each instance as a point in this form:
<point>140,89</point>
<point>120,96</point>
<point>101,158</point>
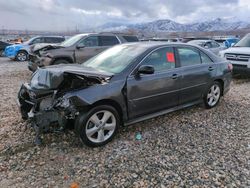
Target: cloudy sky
<point>67,14</point>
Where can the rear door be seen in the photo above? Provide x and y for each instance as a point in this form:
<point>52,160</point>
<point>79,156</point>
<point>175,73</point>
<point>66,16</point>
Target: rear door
<point>197,72</point>
<point>151,93</point>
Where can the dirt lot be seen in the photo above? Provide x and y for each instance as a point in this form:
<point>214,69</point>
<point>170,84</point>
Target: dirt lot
<point>192,147</point>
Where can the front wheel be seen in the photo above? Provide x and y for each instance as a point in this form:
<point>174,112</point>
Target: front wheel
<point>22,56</point>
<point>98,126</point>
<point>213,95</point>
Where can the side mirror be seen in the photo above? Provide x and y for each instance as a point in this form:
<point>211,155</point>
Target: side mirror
<point>146,69</point>
<point>79,46</point>
<point>206,47</point>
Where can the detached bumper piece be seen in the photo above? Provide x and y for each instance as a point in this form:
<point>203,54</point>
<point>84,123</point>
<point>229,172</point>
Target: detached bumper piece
<point>45,113</point>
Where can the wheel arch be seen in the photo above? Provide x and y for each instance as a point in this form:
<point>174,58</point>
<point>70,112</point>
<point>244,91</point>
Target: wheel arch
<point>69,59</point>
<point>22,50</point>
<point>112,103</point>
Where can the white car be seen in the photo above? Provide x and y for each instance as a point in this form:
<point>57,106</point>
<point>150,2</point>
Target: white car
<point>239,56</point>
<point>210,45</point>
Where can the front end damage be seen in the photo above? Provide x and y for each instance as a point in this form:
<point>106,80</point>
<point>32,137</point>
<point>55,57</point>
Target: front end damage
<point>46,102</point>
<point>39,57</point>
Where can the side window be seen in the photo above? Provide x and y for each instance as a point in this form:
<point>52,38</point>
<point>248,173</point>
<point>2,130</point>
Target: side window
<point>38,40</point>
<point>161,59</point>
<point>90,41</point>
<point>205,59</point>
<point>53,40</point>
<point>189,57</point>
<point>108,41</point>
<point>49,40</point>
<point>208,45</point>
<point>130,38</point>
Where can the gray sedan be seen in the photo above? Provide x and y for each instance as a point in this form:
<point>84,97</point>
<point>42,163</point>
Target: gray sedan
<point>123,85</point>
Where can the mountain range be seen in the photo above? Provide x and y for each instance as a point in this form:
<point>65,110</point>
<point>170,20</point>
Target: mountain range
<point>166,25</point>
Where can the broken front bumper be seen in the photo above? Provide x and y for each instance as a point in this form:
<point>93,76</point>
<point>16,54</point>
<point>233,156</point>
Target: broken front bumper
<point>44,110</point>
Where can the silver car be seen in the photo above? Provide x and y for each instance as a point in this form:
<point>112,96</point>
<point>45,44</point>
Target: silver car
<point>211,45</point>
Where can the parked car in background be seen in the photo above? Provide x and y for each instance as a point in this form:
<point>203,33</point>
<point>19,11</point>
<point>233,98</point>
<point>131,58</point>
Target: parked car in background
<point>211,45</point>
<point>125,84</point>
<point>20,52</point>
<point>3,45</point>
<point>187,39</point>
<point>239,56</point>
<point>227,42</point>
<point>76,49</point>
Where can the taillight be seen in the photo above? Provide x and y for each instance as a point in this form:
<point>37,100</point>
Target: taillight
<point>230,67</point>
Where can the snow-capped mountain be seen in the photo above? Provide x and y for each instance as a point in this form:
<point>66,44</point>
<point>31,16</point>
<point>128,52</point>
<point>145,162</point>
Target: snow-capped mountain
<point>219,24</point>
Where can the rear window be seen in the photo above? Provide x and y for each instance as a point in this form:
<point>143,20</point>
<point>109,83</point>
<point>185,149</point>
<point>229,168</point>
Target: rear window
<point>189,57</point>
<point>108,41</point>
<point>131,38</point>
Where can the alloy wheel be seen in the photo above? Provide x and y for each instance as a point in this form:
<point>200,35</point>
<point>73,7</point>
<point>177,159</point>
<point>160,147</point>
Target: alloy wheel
<point>213,95</point>
<point>21,56</point>
<point>100,126</point>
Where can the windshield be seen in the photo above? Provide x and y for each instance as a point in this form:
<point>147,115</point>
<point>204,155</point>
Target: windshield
<point>115,59</point>
<point>29,41</point>
<point>244,42</point>
<point>71,41</point>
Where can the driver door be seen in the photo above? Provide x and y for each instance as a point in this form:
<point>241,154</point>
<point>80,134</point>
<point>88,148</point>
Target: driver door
<point>158,91</point>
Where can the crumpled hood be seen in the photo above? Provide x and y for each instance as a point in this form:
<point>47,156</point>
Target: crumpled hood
<point>44,46</point>
<point>51,77</point>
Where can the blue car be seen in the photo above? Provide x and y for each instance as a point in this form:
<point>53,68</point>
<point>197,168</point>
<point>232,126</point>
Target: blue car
<point>20,52</point>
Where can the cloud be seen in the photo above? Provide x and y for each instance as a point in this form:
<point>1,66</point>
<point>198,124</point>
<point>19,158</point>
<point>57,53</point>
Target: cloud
<point>66,14</point>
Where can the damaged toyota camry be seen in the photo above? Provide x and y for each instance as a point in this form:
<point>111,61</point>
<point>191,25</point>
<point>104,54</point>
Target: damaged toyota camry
<point>125,84</point>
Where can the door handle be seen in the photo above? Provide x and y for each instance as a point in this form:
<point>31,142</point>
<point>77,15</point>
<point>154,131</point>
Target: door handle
<point>210,68</point>
<point>174,76</point>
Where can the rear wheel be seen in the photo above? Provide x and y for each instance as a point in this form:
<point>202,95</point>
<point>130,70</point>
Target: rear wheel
<point>22,56</point>
<point>98,126</point>
<point>213,95</point>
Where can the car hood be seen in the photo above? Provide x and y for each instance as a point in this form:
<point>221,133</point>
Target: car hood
<point>238,50</point>
<point>16,46</point>
<point>44,47</point>
<point>51,77</point>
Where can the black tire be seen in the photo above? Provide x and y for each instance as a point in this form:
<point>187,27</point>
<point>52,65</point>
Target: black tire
<point>22,56</point>
<point>211,102</point>
<point>60,61</point>
<point>83,122</point>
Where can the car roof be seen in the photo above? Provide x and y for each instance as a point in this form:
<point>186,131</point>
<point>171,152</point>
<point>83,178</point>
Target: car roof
<point>155,44</point>
<point>105,34</point>
<point>48,36</point>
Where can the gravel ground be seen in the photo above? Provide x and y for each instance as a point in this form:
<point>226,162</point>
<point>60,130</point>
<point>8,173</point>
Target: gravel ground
<point>189,148</point>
